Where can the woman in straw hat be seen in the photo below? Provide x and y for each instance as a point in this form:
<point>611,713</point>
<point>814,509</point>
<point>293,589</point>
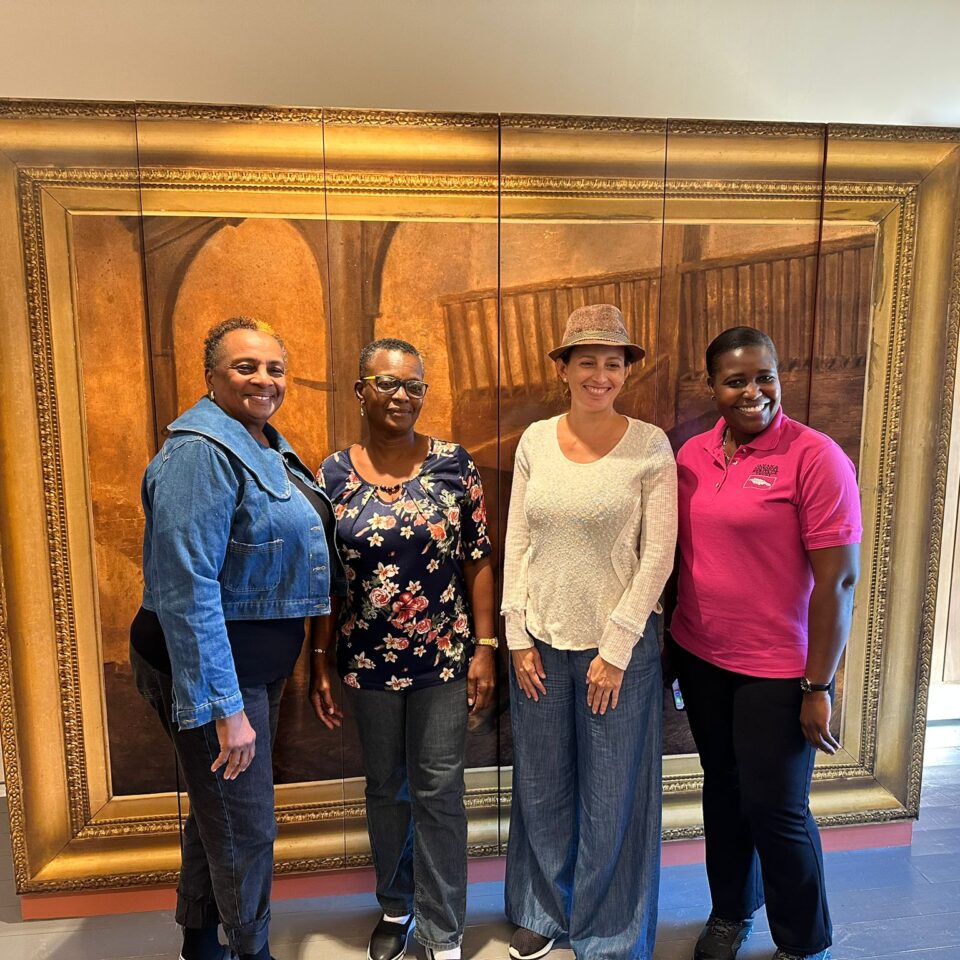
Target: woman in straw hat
<point>589,546</point>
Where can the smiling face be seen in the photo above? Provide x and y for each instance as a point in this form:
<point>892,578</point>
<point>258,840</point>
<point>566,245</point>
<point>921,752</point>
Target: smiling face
<point>249,380</point>
<point>595,374</point>
<point>747,388</point>
<point>395,413</point>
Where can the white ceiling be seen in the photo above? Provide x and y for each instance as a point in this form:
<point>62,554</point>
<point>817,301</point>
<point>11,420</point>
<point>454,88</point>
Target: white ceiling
<point>885,61</point>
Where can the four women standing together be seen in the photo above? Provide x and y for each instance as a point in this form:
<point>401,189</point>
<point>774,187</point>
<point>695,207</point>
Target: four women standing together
<point>242,545</point>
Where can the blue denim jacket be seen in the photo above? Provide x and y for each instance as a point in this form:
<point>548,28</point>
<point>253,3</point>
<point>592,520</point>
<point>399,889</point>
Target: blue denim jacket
<point>227,537</point>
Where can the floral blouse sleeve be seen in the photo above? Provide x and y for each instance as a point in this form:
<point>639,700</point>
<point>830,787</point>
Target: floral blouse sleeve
<point>474,538</point>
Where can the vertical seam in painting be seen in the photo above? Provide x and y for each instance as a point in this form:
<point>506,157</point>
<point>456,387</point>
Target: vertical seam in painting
<point>499,492</point>
<point>328,293</point>
<point>816,270</point>
<point>663,230</point>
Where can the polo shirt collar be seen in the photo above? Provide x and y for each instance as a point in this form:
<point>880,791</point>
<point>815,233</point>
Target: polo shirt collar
<point>763,441</point>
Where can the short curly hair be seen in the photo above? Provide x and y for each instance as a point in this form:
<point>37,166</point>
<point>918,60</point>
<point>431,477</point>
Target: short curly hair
<point>386,343</point>
<point>213,343</point>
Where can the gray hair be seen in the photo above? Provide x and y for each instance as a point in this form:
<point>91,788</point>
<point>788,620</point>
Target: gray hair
<point>385,343</point>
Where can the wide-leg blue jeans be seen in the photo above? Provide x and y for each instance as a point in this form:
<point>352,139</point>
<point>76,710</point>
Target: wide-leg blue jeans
<point>584,853</point>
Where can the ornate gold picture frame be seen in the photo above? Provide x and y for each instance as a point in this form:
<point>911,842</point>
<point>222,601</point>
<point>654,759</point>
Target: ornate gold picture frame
<point>489,227</point>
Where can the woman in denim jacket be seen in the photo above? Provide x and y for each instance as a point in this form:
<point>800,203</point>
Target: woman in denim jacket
<point>238,551</point>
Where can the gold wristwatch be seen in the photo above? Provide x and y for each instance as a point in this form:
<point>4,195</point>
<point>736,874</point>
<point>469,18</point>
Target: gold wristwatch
<point>487,642</point>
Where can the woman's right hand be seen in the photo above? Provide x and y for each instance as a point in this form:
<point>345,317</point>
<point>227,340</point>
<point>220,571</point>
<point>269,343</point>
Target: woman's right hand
<point>528,668</point>
<point>237,745</point>
<point>321,692</point>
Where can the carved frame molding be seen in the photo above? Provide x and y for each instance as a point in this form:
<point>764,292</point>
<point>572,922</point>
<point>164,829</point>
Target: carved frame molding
<point>83,845</point>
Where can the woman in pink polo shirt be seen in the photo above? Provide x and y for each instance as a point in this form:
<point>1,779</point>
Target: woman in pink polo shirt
<point>769,527</point>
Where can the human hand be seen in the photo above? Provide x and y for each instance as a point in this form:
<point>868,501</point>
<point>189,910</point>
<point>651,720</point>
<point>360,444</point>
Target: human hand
<point>237,745</point>
<point>603,685</point>
<point>481,678</point>
<point>529,671</point>
<point>320,692</point>
<point>815,721</point>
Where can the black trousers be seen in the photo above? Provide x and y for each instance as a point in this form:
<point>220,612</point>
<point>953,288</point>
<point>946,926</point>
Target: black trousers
<point>762,843</point>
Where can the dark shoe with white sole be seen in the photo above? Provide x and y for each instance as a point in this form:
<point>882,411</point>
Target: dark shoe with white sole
<point>721,939</point>
<point>527,945</point>
<point>389,940</point>
<point>786,955</point>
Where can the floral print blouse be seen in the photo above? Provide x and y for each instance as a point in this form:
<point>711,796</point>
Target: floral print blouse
<point>406,620</point>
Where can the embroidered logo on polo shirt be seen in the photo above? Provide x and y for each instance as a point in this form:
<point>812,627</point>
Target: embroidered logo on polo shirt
<point>764,476</point>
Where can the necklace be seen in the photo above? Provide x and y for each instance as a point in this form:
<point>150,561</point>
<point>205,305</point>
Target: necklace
<point>728,435</point>
<point>389,491</point>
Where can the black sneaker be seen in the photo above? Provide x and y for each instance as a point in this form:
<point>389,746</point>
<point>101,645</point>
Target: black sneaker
<point>721,939</point>
<point>226,954</point>
<point>389,940</point>
<point>527,945</point>
<point>786,955</point>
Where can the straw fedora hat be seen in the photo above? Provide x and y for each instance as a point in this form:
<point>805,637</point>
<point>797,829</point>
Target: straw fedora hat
<point>601,324</point>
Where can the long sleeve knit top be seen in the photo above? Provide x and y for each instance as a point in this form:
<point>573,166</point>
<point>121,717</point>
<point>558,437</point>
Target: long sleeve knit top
<point>589,546</point>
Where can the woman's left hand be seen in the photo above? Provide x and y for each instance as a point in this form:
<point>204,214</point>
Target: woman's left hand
<point>320,692</point>
<point>815,722</point>
<point>481,678</point>
<point>603,685</point>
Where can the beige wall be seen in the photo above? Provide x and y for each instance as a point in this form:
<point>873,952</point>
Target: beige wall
<point>864,61</point>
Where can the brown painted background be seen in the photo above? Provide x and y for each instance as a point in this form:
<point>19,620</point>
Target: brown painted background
<point>482,304</point>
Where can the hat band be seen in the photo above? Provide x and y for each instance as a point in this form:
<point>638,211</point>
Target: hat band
<point>613,335</point>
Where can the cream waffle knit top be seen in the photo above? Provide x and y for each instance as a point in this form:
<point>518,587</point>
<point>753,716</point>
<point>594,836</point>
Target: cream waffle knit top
<point>589,546</point>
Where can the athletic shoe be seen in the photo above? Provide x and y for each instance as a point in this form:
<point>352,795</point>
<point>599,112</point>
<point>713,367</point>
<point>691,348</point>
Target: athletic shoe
<point>389,940</point>
<point>527,945</point>
<point>721,939</point>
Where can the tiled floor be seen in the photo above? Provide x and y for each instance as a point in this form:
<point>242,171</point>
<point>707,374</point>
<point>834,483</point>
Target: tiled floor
<point>889,904</point>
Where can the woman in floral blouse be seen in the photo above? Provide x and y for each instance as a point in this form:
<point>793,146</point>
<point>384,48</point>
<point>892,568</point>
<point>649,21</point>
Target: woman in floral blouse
<point>414,645</point>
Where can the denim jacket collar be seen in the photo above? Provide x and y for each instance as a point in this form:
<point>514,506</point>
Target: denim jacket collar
<point>206,419</point>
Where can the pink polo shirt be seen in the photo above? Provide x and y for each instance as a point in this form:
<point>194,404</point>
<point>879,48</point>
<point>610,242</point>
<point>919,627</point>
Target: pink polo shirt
<point>744,532</point>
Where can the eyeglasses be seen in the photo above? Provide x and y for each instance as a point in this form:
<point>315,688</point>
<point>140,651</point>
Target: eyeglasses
<point>390,385</point>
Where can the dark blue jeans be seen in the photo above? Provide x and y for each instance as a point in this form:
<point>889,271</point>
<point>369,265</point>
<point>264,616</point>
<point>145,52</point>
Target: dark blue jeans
<point>762,842</point>
<point>413,744</point>
<point>226,870</point>
<point>584,851</point>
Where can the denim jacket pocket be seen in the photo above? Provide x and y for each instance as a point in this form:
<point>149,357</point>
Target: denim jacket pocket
<point>253,567</point>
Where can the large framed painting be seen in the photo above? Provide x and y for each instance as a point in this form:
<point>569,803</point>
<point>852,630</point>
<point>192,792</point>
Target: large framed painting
<point>127,230</point>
